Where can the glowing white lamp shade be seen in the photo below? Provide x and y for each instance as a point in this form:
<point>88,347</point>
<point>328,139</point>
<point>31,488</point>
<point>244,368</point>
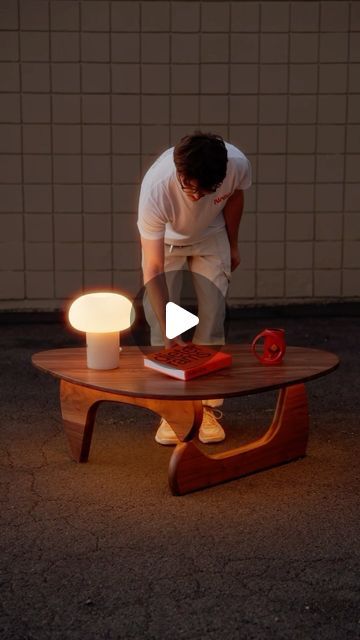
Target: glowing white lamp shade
<point>102,316</point>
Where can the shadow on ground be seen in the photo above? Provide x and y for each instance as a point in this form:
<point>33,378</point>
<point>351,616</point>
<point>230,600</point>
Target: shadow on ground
<point>103,551</point>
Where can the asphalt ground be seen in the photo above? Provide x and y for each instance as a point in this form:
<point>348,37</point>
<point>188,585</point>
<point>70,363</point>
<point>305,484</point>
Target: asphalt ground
<point>103,551</point>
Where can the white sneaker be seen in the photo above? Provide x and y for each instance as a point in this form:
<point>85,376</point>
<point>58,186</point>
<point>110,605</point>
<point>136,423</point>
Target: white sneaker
<point>210,430</point>
<point>165,434</point>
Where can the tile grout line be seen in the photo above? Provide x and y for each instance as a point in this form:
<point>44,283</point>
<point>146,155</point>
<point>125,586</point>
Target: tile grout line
<point>229,87</point>
<point>94,31</point>
<point>141,142</point>
<point>316,138</point>
<point>81,152</point>
<point>52,160</point>
<point>23,215</point>
<point>342,252</point>
<point>140,151</point>
<point>286,198</point>
<point>99,184</point>
<point>169,75</point>
<point>111,158</point>
<point>256,203</point>
<point>199,63</point>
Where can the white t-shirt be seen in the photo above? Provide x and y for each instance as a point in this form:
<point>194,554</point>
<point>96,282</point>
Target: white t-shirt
<point>166,212</point>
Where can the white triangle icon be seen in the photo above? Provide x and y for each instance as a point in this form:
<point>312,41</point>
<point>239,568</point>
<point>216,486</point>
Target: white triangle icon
<point>178,320</point>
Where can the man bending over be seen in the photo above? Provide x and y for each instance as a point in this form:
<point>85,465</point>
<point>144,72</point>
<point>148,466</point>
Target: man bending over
<point>190,207</point>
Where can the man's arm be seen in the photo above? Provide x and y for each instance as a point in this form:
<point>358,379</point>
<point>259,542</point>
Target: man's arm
<point>155,283</point>
<point>154,279</point>
<point>233,211</point>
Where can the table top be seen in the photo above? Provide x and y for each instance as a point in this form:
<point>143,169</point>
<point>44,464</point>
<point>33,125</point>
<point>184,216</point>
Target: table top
<point>246,376</point>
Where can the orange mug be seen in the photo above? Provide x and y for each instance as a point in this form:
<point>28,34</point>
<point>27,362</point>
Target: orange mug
<point>273,348</point>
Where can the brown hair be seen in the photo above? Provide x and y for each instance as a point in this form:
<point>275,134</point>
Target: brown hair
<point>201,157</point>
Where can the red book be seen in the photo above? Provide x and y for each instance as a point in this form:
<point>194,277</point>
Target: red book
<point>185,363</point>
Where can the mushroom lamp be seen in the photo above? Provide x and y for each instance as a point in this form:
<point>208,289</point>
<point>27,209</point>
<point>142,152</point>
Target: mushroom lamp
<point>102,316</point>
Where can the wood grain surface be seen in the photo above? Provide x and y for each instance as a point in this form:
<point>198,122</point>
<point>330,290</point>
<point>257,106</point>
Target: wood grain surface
<point>246,376</point>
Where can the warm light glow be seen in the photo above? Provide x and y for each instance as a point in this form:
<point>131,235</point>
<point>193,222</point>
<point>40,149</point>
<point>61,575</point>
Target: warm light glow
<point>103,312</point>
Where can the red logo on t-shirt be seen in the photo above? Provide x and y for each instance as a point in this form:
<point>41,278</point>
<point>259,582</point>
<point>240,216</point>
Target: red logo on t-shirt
<point>221,198</point>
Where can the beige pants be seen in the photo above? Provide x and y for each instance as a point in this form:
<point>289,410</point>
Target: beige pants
<point>209,258</point>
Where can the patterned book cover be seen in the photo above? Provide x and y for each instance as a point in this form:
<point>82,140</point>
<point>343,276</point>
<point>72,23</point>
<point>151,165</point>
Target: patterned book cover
<point>190,361</point>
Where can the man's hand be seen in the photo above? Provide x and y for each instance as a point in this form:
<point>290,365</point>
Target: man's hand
<point>235,258</point>
<point>174,342</point>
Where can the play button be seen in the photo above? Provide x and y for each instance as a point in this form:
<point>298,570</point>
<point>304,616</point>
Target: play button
<point>178,320</point>
<point>202,323</point>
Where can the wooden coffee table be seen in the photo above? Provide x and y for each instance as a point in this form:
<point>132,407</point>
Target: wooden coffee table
<point>180,403</point>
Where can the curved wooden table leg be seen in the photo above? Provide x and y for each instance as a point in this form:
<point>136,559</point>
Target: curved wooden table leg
<point>79,405</point>
<point>78,410</point>
<point>286,439</point>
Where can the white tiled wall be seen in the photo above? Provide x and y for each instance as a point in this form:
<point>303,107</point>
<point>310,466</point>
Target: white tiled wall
<point>93,90</point>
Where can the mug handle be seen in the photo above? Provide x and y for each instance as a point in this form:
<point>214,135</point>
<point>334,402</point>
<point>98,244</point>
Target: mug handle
<point>264,333</point>
<point>255,341</point>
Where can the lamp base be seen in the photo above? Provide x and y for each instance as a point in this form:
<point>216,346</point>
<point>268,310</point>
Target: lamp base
<point>102,350</point>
